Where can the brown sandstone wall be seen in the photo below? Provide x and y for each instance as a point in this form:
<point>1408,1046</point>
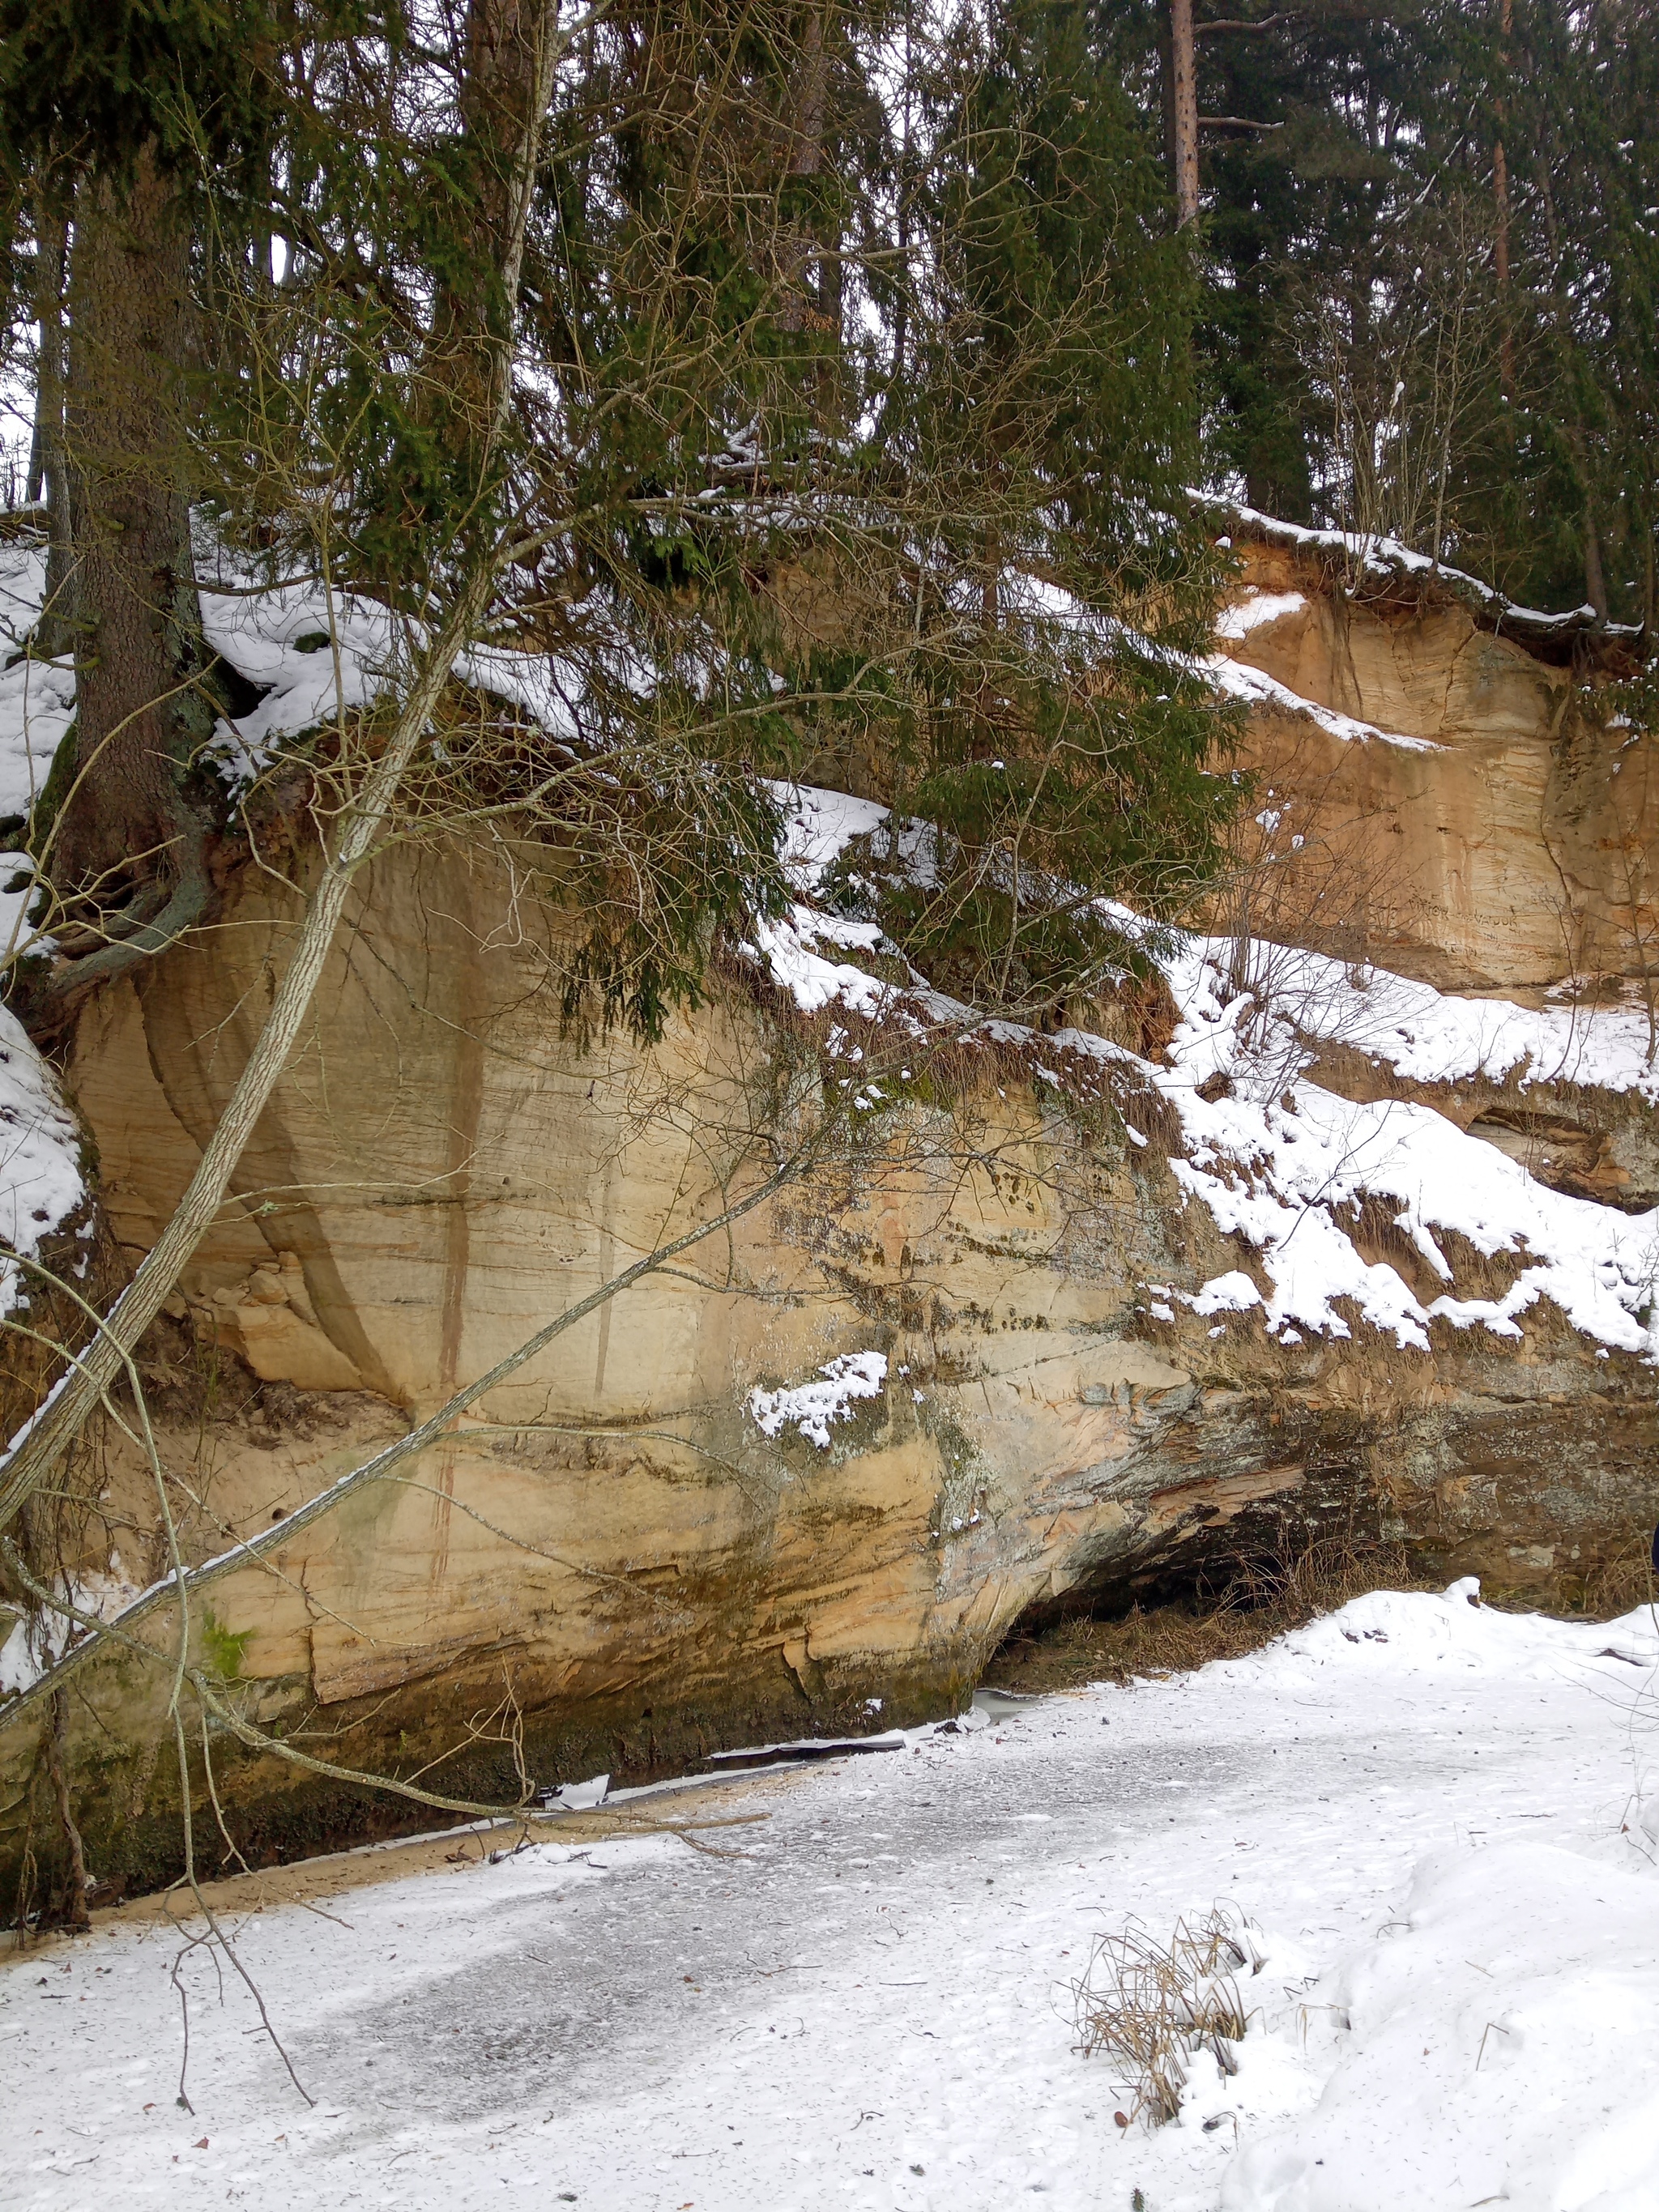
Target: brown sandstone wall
<point>1512,855</point>
<point>609,1559</point>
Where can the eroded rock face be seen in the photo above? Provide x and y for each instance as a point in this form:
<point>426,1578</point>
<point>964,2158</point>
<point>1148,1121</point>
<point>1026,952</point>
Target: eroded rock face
<point>610,1563</point>
<point>610,1541</point>
<point>1489,834</point>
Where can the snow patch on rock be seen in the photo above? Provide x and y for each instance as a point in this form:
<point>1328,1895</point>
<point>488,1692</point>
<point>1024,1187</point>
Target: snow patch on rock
<point>810,1408</point>
<point>37,1641</point>
<point>1234,680</point>
<point>1253,610</point>
<point>1278,1159</point>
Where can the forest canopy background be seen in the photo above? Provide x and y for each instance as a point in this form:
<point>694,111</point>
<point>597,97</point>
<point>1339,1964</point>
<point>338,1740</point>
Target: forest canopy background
<point>797,388</point>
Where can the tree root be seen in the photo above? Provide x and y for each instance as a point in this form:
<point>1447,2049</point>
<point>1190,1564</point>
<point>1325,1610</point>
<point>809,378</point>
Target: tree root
<point>140,932</point>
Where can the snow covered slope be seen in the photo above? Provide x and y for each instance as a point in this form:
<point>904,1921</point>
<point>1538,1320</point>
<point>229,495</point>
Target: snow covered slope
<point>1278,1159</point>
<point>1501,2049</point>
<point>1282,1162</point>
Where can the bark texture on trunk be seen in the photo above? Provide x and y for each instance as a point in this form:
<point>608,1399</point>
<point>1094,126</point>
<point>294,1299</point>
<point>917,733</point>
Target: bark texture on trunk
<point>503,92</point>
<point>1500,188</point>
<point>808,100</point>
<point>1577,436</point>
<point>47,471</point>
<point>1183,111</point>
<point>126,834</point>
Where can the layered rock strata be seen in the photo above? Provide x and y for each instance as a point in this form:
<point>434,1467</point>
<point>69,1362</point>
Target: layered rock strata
<point>1081,1322</point>
<point>1448,792</point>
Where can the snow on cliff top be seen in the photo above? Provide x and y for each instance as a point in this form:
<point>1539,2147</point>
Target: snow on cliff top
<point>1383,557</point>
<point>316,655</point>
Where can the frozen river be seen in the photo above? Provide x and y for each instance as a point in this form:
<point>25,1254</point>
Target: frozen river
<point>864,1998</point>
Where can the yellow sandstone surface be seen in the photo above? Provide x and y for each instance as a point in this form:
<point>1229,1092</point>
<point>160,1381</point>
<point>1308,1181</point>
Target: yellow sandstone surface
<point>1500,854</point>
<point>608,1563</point>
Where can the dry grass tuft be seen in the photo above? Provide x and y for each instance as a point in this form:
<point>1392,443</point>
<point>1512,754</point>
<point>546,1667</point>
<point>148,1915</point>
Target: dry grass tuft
<point>1152,2007</point>
<point>1618,1585</point>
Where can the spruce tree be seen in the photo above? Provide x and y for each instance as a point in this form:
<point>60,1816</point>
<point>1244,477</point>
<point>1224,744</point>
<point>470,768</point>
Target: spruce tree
<point>1057,752</point>
<point>111,117</point>
<point>843,415</point>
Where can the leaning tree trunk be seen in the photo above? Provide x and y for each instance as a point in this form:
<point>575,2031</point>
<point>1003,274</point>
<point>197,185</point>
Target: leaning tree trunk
<point>40,1444</point>
<point>125,842</point>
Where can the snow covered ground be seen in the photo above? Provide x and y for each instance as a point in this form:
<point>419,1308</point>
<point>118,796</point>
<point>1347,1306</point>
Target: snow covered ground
<point>1433,1814</point>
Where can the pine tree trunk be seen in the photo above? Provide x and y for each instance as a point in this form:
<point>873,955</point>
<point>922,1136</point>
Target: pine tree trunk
<point>1596,580</point>
<point>1578,444</point>
<point>807,100</point>
<point>126,833</point>
<point>1500,187</point>
<point>1183,111</point>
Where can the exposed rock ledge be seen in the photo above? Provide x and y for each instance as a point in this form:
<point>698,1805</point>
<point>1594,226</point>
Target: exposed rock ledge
<point>1291,1278</point>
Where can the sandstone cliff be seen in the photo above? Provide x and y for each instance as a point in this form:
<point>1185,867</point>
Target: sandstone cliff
<point>1307,1249</point>
<point>1466,809</point>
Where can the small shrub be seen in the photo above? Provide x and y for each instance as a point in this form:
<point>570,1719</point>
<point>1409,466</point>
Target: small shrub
<point>1152,2007</point>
